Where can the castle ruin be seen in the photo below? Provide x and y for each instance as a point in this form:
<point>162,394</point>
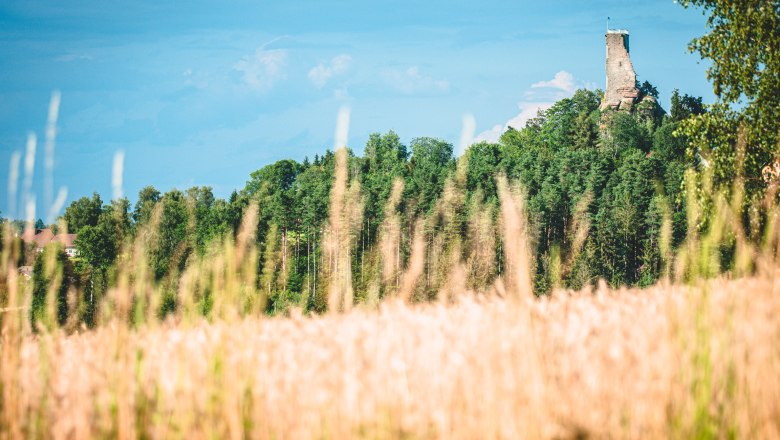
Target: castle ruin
<point>621,92</point>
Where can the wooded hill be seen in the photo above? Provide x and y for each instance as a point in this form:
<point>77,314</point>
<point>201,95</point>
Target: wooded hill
<point>604,195</point>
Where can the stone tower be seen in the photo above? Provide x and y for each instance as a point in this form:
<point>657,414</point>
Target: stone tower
<point>621,92</point>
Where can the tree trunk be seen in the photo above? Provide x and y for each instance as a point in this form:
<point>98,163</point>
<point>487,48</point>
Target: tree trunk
<point>284,260</point>
<point>398,259</point>
<point>362,252</point>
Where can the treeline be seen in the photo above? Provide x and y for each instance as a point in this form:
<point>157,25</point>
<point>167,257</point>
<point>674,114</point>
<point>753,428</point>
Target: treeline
<point>601,189</point>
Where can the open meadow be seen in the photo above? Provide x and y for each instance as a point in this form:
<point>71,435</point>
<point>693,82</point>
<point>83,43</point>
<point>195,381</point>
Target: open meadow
<point>671,361</point>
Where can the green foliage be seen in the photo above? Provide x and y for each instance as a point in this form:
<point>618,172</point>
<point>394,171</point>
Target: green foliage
<point>147,199</point>
<point>622,161</point>
<point>209,216</point>
<point>40,285</point>
<point>99,244</point>
<point>172,245</point>
<point>624,134</point>
<point>742,44</point>
<point>483,161</point>
<point>683,107</point>
<point>96,245</point>
<point>83,212</point>
<point>647,89</point>
<point>428,168</point>
<point>52,274</point>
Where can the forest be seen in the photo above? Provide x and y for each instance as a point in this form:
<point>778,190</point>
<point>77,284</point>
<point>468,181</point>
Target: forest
<point>604,191</point>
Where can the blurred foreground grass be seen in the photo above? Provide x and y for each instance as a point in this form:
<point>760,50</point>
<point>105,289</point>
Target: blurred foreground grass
<point>699,361</point>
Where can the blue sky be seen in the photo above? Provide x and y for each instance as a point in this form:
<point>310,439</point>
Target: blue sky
<point>205,92</point>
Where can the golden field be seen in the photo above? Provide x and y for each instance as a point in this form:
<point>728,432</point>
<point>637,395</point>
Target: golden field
<point>671,361</point>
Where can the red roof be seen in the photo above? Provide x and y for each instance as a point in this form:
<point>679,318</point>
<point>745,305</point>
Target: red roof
<point>42,237</point>
<point>28,235</point>
<point>67,240</point>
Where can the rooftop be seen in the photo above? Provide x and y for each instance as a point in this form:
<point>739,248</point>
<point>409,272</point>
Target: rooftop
<point>42,237</point>
<point>617,31</point>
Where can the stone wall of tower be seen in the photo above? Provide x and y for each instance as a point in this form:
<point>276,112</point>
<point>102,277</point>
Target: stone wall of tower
<point>621,92</point>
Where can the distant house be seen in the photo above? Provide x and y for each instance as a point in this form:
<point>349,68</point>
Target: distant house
<point>42,237</point>
<point>39,237</point>
<point>68,242</point>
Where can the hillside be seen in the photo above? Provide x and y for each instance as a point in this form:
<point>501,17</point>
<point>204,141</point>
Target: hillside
<point>598,185</point>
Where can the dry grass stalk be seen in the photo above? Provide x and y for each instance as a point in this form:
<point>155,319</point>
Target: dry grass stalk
<point>271,261</point>
<point>481,254</point>
<point>519,281</point>
<point>390,237</point>
<point>445,225</point>
<point>429,371</point>
<point>580,228</point>
<point>416,264</point>
<point>11,405</point>
<point>337,241</point>
<point>353,211</point>
<point>456,283</point>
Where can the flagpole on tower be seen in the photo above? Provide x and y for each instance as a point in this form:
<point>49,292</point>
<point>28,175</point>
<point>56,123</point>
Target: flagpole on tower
<point>607,24</point>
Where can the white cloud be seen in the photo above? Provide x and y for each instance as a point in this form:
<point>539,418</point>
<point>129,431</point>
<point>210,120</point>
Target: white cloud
<point>491,135</point>
<point>412,81</point>
<point>262,70</point>
<point>562,80</point>
<point>321,73</point>
<point>561,86</point>
<point>528,110</point>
